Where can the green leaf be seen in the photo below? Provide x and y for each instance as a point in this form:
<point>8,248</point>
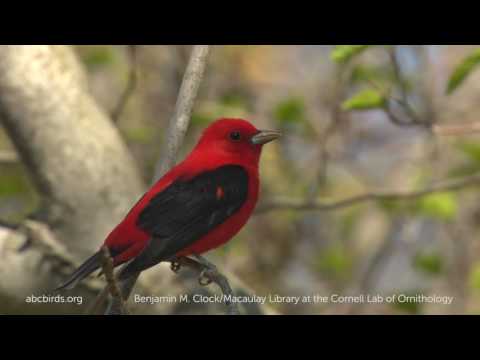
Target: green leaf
<point>442,206</point>
<point>462,71</point>
<point>365,100</point>
<point>429,263</point>
<point>290,111</point>
<point>344,53</point>
<point>291,116</point>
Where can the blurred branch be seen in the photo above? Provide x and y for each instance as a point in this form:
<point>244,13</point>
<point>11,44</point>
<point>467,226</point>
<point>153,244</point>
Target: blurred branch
<point>399,78</point>
<point>462,261</point>
<point>369,276</point>
<point>180,120</point>
<point>40,234</point>
<point>456,130</point>
<point>33,262</point>
<point>411,118</point>
<point>9,225</point>
<point>335,122</point>
<point>130,87</point>
<point>301,205</point>
<point>393,117</point>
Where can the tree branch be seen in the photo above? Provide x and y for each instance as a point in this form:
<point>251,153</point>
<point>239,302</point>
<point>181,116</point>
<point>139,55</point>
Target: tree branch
<point>33,261</point>
<point>180,120</point>
<point>178,127</point>
<point>301,205</point>
<point>62,135</point>
<point>130,87</point>
<point>403,101</point>
<point>456,130</point>
<point>369,276</point>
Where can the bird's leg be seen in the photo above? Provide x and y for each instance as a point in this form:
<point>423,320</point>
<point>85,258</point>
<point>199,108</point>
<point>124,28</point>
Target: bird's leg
<point>206,269</point>
<point>208,272</point>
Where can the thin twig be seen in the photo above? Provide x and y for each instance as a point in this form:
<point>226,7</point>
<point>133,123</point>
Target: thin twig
<point>301,205</point>
<point>38,235</point>
<point>412,119</point>
<point>95,307</point>
<point>130,87</point>
<point>393,117</point>
<point>178,126</point>
<point>403,102</point>
<point>180,120</point>
<point>456,130</point>
<point>118,304</point>
<point>370,275</point>
<point>335,121</point>
<point>387,94</point>
<point>397,71</point>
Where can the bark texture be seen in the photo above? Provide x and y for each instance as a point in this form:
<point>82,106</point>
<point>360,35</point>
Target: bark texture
<point>84,172</point>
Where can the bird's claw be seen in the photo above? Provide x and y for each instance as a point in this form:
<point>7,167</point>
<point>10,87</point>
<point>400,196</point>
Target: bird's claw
<point>175,266</point>
<point>204,279</point>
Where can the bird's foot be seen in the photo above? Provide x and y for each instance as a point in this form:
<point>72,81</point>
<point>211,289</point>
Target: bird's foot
<point>209,271</point>
<point>175,266</point>
<point>205,278</point>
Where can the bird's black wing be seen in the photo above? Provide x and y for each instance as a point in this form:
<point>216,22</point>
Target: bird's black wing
<point>187,210</point>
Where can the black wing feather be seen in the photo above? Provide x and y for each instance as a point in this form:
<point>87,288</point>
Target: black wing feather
<point>187,210</point>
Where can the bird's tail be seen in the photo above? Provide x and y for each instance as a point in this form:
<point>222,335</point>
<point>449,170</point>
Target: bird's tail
<point>89,266</point>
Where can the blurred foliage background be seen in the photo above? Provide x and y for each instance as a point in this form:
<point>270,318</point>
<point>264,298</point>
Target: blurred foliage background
<point>356,119</point>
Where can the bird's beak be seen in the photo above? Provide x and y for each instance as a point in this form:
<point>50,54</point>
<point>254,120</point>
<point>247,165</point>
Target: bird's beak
<point>265,136</point>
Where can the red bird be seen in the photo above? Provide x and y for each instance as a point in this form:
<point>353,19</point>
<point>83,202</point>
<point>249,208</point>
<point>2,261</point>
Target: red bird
<point>197,206</point>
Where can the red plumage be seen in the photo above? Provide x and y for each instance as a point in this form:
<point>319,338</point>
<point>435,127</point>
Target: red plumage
<point>197,206</point>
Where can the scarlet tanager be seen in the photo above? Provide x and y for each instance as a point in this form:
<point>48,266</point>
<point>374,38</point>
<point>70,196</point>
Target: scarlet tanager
<point>197,206</point>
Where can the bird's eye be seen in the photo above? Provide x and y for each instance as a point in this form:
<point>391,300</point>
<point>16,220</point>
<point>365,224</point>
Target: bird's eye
<point>235,136</point>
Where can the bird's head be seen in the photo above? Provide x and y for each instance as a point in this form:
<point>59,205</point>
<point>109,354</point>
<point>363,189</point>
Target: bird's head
<point>235,138</point>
